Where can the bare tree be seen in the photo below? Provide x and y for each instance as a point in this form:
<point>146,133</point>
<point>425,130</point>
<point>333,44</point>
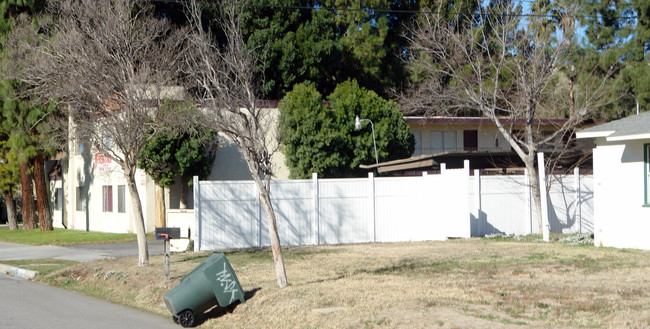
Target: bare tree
<point>111,64</point>
<point>224,76</point>
<point>505,69</point>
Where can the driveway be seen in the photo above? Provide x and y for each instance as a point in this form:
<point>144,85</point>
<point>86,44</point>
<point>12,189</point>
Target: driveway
<point>33,305</point>
<point>115,250</point>
<point>85,253</point>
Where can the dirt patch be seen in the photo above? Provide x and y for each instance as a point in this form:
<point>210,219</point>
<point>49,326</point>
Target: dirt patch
<point>454,284</point>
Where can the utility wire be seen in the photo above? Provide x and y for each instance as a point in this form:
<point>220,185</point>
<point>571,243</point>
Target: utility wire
<point>412,11</point>
<point>432,12</point>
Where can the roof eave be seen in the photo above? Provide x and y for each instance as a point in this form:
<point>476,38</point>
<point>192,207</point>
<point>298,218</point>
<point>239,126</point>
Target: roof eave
<point>620,138</point>
<point>593,134</point>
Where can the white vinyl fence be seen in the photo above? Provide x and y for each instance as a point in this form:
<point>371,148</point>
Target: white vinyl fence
<point>228,214</point>
<point>503,204</point>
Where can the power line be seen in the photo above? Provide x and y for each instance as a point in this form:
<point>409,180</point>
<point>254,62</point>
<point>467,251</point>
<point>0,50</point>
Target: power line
<point>432,12</point>
<point>412,11</point>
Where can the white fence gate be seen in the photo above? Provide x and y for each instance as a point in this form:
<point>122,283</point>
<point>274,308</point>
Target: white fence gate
<point>228,214</point>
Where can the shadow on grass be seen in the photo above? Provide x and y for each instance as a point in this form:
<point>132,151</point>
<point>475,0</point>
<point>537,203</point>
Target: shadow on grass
<point>218,311</point>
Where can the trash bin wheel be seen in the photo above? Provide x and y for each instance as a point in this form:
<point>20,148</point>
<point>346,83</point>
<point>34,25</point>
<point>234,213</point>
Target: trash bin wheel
<point>186,318</point>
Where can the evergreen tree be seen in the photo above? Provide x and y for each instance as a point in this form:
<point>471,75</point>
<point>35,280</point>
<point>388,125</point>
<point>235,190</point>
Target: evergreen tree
<point>15,125</point>
<point>181,155</point>
<point>9,180</point>
<point>23,121</point>
<point>618,35</point>
<point>295,44</point>
<point>321,138</point>
<point>326,42</point>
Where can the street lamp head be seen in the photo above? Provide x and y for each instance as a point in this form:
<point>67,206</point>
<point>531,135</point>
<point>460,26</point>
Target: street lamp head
<point>357,126</point>
<point>357,123</point>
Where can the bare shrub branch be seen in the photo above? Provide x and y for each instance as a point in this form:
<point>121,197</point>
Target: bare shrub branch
<point>504,69</point>
<point>111,64</point>
<point>223,76</point>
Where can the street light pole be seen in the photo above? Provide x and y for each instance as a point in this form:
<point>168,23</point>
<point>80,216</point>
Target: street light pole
<point>357,126</point>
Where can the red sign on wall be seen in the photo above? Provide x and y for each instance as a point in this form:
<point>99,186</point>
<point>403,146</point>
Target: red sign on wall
<point>103,163</point>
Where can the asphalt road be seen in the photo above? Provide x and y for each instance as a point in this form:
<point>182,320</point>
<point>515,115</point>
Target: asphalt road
<point>27,304</point>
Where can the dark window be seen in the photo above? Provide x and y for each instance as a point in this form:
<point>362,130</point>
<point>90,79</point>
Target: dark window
<point>108,198</point>
<point>470,139</point>
<point>58,199</point>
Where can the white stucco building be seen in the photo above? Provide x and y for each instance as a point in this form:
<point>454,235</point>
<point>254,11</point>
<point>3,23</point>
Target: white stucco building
<point>94,195</point>
<point>621,179</point>
<point>91,193</point>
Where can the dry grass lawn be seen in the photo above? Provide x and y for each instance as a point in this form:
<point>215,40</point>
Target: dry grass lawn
<point>475,283</point>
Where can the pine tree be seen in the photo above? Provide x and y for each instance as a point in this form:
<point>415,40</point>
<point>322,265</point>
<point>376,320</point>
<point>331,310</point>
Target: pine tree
<point>23,120</point>
<point>9,180</point>
<point>618,33</point>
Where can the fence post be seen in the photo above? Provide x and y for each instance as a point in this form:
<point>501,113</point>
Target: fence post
<point>542,191</point>
<point>529,201</point>
<point>197,213</point>
<point>260,220</point>
<point>477,199</point>
<point>316,220</point>
<point>468,206</point>
<point>576,182</point>
<point>371,198</point>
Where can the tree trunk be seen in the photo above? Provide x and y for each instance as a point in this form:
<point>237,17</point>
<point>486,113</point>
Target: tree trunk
<point>572,102</point>
<point>143,251</point>
<point>28,197</point>
<point>265,198</point>
<point>42,200</point>
<point>160,206</point>
<point>11,211</point>
<point>533,179</point>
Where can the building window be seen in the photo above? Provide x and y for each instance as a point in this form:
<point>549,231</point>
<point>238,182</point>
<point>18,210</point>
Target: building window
<point>120,199</point>
<point>107,193</point>
<point>442,140</point>
<point>81,199</point>
<point>418,143</point>
<point>58,199</point>
<point>470,140</point>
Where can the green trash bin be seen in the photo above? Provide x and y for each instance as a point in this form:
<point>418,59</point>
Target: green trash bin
<point>212,282</point>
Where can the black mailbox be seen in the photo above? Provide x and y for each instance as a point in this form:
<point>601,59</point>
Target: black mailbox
<point>166,233</point>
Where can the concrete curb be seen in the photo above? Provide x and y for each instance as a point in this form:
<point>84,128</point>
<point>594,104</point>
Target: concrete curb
<point>17,272</point>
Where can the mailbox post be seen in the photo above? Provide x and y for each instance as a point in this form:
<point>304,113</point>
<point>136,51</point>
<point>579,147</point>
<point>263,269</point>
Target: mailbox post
<point>166,234</point>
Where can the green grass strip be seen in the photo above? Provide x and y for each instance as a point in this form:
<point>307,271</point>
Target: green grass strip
<point>62,237</point>
<point>42,266</point>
